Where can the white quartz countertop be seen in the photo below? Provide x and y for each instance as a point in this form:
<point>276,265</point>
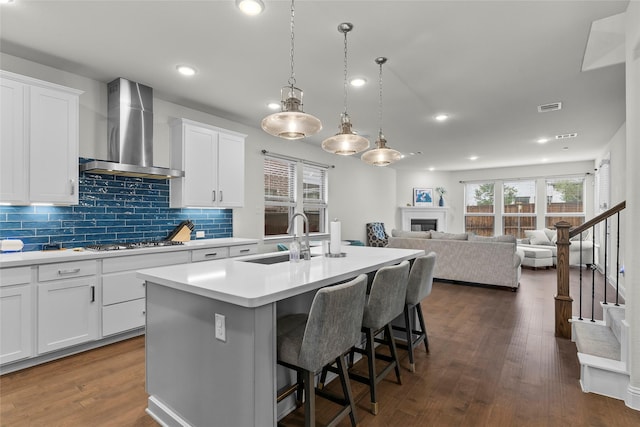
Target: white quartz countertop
<point>18,259</point>
<point>250,284</point>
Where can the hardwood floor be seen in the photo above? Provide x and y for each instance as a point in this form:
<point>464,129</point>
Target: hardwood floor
<point>494,361</point>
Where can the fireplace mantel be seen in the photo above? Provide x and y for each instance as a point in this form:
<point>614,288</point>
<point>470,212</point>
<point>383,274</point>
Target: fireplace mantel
<point>436,212</point>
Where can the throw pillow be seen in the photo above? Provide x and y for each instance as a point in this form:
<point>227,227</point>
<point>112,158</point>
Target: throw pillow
<point>411,234</point>
<point>552,235</point>
<point>503,239</point>
<point>448,236</point>
<point>538,237</point>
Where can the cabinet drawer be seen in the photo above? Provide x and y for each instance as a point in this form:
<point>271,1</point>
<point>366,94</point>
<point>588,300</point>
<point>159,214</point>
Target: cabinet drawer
<point>120,287</point>
<point>138,262</point>
<point>123,317</point>
<point>209,254</point>
<point>15,276</point>
<point>242,250</point>
<point>66,270</point>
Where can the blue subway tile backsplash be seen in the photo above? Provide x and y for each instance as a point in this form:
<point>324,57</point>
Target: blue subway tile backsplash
<point>110,209</point>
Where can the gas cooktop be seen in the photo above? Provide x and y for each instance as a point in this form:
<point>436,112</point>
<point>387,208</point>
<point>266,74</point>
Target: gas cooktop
<point>132,245</point>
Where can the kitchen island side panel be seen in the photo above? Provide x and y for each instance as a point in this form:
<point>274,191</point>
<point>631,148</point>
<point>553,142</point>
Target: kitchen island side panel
<point>207,382</point>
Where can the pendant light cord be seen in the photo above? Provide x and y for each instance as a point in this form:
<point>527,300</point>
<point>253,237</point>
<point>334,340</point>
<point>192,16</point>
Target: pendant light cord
<point>345,73</point>
<point>380,100</point>
<point>292,79</point>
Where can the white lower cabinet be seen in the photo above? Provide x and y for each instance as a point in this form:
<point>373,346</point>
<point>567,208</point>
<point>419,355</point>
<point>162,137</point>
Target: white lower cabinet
<point>16,334</point>
<point>68,313</point>
<point>123,294</point>
<point>47,308</point>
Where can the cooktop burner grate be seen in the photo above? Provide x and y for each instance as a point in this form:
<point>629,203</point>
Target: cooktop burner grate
<point>132,245</point>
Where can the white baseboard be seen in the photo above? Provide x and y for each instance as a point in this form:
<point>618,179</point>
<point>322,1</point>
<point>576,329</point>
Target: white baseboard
<point>632,400</point>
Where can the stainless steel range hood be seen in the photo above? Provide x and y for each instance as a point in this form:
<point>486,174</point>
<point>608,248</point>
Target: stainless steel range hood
<point>130,134</point>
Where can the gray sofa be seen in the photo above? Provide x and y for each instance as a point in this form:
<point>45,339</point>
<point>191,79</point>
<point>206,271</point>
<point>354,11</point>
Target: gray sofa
<point>466,257</point>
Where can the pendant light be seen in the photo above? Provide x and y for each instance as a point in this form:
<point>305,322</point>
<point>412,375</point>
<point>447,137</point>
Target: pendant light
<point>291,122</point>
<point>381,155</point>
<point>345,142</point>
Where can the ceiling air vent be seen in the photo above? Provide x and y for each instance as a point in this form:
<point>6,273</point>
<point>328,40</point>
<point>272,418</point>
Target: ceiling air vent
<point>554,106</point>
<point>566,135</point>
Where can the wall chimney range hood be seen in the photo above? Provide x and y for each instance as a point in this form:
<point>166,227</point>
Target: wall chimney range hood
<point>130,134</point>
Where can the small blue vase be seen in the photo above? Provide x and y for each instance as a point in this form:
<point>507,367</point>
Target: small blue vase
<point>441,201</point>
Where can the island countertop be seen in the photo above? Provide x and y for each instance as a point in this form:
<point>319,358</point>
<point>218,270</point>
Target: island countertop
<point>249,284</point>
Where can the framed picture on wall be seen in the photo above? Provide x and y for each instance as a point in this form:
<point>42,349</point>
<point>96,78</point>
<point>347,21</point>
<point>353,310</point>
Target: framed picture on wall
<point>423,197</point>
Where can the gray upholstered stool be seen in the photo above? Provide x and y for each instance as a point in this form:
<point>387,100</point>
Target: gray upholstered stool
<point>418,288</point>
<point>306,343</point>
<point>385,302</point>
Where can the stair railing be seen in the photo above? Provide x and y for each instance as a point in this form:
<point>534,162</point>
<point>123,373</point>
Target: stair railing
<point>563,300</point>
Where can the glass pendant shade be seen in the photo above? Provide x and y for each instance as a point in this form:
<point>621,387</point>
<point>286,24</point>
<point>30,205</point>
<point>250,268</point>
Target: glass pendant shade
<point>382,155</point>
<point>291,122</point>
<point>346,142</point>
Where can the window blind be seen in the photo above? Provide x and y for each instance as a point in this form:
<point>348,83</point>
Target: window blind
<point>279,182</point>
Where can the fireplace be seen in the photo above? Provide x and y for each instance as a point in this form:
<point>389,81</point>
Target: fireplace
<point>419,218</point>
<point>418,224</point>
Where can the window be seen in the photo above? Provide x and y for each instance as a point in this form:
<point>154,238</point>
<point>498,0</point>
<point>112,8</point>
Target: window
<point>290,186</point>
<point>314,190</point>
<point>565,201</point>
<point>479,208</point>
<point>519,207</point>
<point>279,195</point>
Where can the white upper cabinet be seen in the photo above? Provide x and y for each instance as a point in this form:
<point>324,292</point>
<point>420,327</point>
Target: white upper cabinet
<point>13,149</point>
<point>39,145</point>
<point>213,163</point>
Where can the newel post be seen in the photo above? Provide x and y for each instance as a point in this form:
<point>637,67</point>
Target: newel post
<point>564,301</point>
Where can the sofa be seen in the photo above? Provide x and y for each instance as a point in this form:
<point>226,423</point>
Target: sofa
<point>465,257</point>
<point>546,239</point>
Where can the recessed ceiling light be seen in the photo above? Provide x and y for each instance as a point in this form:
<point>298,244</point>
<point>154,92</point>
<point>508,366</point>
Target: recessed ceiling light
<point>542,141</point>
<point>250,7</point>
<point>358,81</point>
<point>473,158</point>
<point>7,1</point>
<point>273,105</point>
<point>432,168</point>
<point>186,70</point>
<point>441,117</point>
<point>544,160</point>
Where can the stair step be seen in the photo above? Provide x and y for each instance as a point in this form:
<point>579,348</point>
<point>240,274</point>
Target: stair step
<point>615,317</point>
<point>596,339</point>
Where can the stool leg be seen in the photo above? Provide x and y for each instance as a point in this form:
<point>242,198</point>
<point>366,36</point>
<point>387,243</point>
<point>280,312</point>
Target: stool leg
<point>346,388</point>
<point>300,389</point>
<point>309,399</point>
<point>409,326</point>
<point>422,325</point>
<point>371,362</point>
<point>323,378</point>
<point>394,352</point>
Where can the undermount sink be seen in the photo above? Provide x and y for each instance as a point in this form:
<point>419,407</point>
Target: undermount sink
<point>273,259</point>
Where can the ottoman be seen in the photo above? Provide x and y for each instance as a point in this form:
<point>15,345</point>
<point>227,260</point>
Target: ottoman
<point>537,257</point>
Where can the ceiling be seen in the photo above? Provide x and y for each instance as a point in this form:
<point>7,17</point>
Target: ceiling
<point>487,64</point>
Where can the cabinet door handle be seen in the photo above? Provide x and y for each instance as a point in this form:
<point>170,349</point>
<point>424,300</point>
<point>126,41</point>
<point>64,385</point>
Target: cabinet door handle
<point>244,250</point>
<point>69,271</point>
<point>73,186</point>
<point>213,254</point>
<point>221,195</point>
<point>93,294</point>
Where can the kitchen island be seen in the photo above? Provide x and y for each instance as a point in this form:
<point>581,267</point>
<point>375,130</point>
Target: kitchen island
<point>211,331</point>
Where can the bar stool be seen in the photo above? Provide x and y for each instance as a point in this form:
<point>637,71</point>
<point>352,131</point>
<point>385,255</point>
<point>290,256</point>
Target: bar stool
<point>306,343</point>
<point>418,288</point>
<point>385,302</point>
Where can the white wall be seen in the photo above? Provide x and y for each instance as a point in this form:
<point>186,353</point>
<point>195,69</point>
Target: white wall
<point>358,193</point>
